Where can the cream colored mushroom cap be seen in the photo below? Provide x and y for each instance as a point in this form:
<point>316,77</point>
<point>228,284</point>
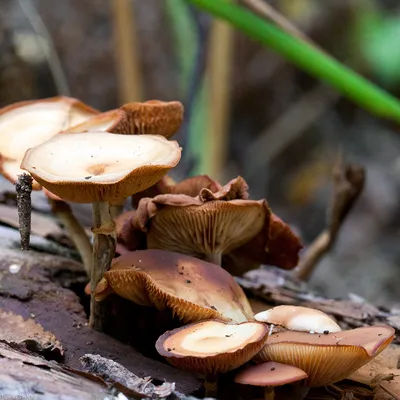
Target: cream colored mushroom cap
<point>327,358</point>
<point>296,318</point>
<point>212,346</point>
<point>98,166</point>
<point>193,289</point>
<point>27,124</point>
<point>270,374</point>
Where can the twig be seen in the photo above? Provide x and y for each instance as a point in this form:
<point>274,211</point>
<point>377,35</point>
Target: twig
<point>348,182</point>
<point>23,187</point>
<point>38,26</point>
<point>127,52</point>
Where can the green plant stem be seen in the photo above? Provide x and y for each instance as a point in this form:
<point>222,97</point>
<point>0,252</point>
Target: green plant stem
<point>308,58</point>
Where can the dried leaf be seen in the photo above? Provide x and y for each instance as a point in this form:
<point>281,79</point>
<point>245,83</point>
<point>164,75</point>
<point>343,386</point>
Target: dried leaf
<point>14,330</point>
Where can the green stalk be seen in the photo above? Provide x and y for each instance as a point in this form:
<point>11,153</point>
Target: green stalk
<point>307,57</point>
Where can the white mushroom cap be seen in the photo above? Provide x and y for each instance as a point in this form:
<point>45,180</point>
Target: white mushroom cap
<point>299,319</point>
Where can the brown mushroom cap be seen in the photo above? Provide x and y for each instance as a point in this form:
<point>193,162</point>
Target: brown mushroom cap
<point>191,187</point>
<point>154,117</point>
<point>26,124</point>
<point>327,358</point>
<point>212,347</point>
<point>296,318</point>
<point>270,374</point>
<point>114,121</point>
<point>211,223</point>
<point>276,244</point>
<point>97,166</point>
<point>192,288</point>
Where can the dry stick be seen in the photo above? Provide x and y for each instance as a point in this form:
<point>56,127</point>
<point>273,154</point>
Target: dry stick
<point>23,187</point>
<point>219,74</point>
<point>348,182</point>
<point>127,52</point>
<point>76,232</point>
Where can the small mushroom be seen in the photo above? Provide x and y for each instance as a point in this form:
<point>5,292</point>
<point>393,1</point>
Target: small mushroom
<point>327,358</point>
<point>297,318</point>
<point>212,347</point>
<point>100,168</point>
<point>152,117</point>
<point>270,375</point>
<point>29,123</point>
<point>193,289</point>
<point>205,226</point>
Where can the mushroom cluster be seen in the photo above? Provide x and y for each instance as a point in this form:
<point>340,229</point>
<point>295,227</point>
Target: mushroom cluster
<point>77,154</point>
<point>180,246</point>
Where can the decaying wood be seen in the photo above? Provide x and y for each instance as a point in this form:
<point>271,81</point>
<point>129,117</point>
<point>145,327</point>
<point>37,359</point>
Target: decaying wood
<point>127,382</point>
<point>35,292</point>
<point>24,376</point>
<point>348,182</point>
<point>14,330</point>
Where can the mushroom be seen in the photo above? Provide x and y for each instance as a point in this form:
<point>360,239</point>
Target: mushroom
<point>152,117</point>
<point>193,289</point>
<point>29,123</point>
<point>191,187</point>
<point>276,244</point>
<point>205,226</point>
<point>327,358</point>
<point>270,375</point>
<point>297,318</point>
<point>100,168</point>
<point>212,347</point>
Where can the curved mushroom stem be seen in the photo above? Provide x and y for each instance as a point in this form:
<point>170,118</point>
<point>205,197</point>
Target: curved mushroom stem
<point>211,386</point>
<point>103,253</point>
<point>213,258</point>
<point>75,231</point>
<point>269,393</point>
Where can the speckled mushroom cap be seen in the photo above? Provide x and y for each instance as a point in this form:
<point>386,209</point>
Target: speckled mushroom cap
<point>212,347</point>
<point>28,123</point>
<point>97,166</point>
<point>327,358</point>
<point>211,223</point>
<point>270,374</point>
<point>296,318</point>
<point>193,289</point>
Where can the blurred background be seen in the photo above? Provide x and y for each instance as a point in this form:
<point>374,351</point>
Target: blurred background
<point>248,111</point>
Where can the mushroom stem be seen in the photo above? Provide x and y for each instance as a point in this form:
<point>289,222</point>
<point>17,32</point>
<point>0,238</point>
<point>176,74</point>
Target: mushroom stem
<point>269,393</point>
<point>103,253</point>
<point>213,258</point>
<point>211,386</point>
<point>75,231</point>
